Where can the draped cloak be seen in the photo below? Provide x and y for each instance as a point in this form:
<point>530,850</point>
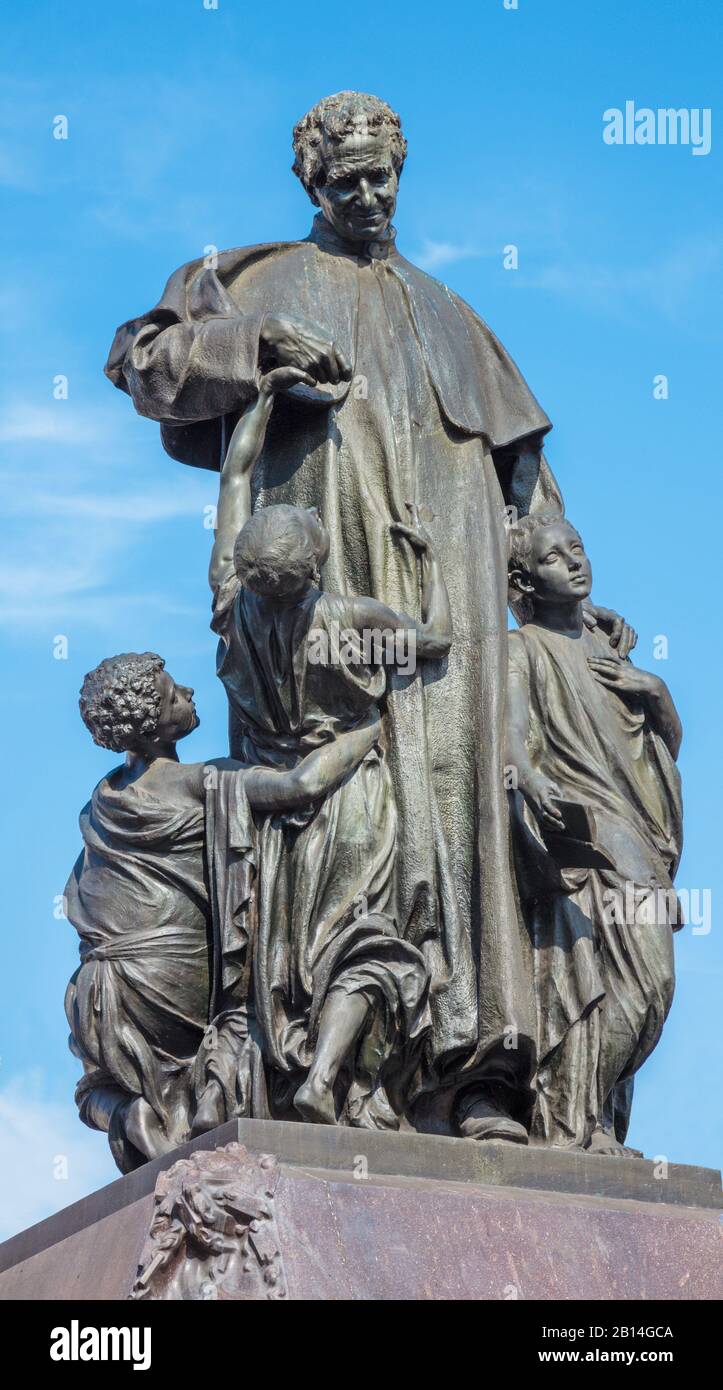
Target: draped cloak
<point>604,959</point>
<point>435,408</point>
<point>324,877</point>
<point>139,1005</point>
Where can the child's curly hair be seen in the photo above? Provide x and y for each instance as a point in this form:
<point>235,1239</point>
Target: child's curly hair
<point>120,701</point>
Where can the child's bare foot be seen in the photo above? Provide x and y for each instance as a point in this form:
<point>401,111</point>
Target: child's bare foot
<point>315,1102</point>
<point>143,1128</point>
<point>606,1144</point>
<point>210,1111</point>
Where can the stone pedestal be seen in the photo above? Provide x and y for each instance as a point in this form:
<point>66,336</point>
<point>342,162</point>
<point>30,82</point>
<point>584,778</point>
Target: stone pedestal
<point>348,1214</point>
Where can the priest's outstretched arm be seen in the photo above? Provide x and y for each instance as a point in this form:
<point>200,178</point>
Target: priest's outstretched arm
<point>197,355</point>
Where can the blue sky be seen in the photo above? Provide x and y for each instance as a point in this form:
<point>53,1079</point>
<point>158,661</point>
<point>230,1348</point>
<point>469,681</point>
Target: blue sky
<point>179,137</point>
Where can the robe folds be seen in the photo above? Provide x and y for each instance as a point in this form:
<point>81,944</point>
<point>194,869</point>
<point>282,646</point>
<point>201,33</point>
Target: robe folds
<point>148,909</point>
<point>434,409</point>
<point>602,938</point>
<point>324,876</point>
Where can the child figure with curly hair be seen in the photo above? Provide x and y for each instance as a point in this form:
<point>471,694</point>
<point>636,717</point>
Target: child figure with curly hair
<point>166,874</point>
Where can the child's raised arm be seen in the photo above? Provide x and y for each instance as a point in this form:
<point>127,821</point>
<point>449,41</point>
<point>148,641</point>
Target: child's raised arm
<point>242,455</point>
<point>434,633</point>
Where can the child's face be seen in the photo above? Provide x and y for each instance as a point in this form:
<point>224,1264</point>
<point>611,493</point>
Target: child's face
<point>559,569</point>
<point>178,715</point>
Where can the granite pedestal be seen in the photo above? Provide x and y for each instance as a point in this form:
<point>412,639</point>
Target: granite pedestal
<point>372,1216</point>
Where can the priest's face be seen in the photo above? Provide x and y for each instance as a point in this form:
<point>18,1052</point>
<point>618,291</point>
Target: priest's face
<point>357,189</point>
<point>559,568</point>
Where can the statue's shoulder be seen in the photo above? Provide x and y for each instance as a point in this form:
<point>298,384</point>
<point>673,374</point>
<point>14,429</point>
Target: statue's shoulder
<point>434,289</point>
<point>522,650</point>
<point>429,283</point>
<point>228,265</point>
<point>516,646</point>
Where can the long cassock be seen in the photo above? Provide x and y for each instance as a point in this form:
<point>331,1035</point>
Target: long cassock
<point>436,413</point>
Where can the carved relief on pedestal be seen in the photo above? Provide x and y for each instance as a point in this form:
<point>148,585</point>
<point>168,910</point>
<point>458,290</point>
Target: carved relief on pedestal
<point>213,1233</point>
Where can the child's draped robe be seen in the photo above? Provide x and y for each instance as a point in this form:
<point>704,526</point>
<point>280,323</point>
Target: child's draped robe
<point>603,983</point>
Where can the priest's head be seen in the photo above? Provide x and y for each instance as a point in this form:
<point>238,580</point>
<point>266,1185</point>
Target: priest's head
<point>349,153</point>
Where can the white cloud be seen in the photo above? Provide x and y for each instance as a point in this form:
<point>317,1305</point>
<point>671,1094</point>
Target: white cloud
<point>26,422</point>
<point>665,283</point>
<point>39,1139</point>
<point>75,490</point>
<point>143,508</point>
<point>434,254</point>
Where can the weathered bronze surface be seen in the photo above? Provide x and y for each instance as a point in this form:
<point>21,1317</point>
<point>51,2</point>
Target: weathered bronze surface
<point>390,906</point>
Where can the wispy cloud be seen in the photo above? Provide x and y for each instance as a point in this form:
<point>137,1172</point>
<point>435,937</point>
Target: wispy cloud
<point>67,566</point>
<point>664,284</point>
<point>48,1159</point>
<point>59,423</point>
<point>142,508</point>
<point>135,183</point>
<point>432,255</point>
<point>77,504</point>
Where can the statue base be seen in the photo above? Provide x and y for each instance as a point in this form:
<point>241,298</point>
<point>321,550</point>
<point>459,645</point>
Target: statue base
<point>308,1212</point>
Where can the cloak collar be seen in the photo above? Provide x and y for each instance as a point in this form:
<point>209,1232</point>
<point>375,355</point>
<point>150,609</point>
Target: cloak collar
<point>326,237</point>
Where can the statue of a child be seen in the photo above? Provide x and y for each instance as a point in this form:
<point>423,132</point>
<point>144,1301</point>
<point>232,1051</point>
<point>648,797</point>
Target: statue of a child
<point>598,832</point>
<point>340,998</point>
<point>143,896</point>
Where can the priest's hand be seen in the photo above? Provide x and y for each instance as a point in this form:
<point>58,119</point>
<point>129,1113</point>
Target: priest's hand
<point>286,342</point>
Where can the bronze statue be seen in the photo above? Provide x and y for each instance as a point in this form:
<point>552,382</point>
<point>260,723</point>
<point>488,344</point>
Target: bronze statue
<point>598,825</point>
<point>373,953</point>
<point>335,988</point>
<point>139,897</point>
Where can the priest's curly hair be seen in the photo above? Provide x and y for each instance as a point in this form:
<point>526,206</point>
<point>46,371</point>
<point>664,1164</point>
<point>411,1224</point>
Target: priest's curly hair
<point>120,701</point>
<point>333,118</point>
<point>279,548</point>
